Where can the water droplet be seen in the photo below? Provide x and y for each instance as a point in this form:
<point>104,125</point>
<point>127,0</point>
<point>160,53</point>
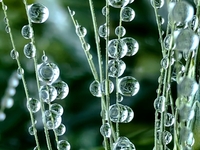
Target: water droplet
<point>57,108</point>
<point>38,13</point>
<point>167,41</point>
<point>5,7</point>
<point>48,72</point>
<point>159,104</point>
<point>60,130</point>
<point>161,20</point>
<point>194,23</point>
<point>123,143</point>
<point>72,12</point>
<point>7,102</point>
<point>95,89</point>
<point>120,98</point>
<point>128,86</point>
<point>30,50</point>
<point>81,31</point>
<point>130,115</point>
<point>132,45</point>
<point>117,48</point>
<point>33,105</point>
<point>44,58</point>
<point>104,11</point>
<point>105,130</point>
<point>31,130</point>
<point>165,62</point>
<point>86,46</point>
<point>169,120</point>
<point>103,31</point>
<point>181,13</point>
<point>20,72</point>
<point>118,113</point>
<point>120,31</point>
<point>167,137</point>
<point>2,116</point>
<point>48,93</point>
<point>62,89</point>
<point>27,32</point>
<point>157,3</point>
<point>63,145</point>
<point>186,135</point>
<point>118,3</point>
<point>186,40</point>
<point>7,29</point>
<point>187,87</point>
<point>53,120</point>
<point>127,14</point>
<point>110,86</point>
<point>116,68</point>
<point>14,54</point>
<point>186,113</point>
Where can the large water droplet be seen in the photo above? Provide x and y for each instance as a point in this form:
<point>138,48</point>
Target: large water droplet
<point>63,145</point>
<point>118,113</point>
<point>127,14</point>
<point>62,89</point>
<point>81,31</point>
<point>30,50</point>
<point>157,3</point>
<point>181,13</point>
<point>57,108</point>
<point>53,120</point>
<point>128,86</point>
<point>186,40</point>
<point>38,13</point>
<point>95,89</point>
<point>27,32</point>
<point>33,105</point>
<point>48,93</point>
<point>48,72</point>
<point>103,31</point>
<point>187,87</point>
<point>117,48</point>
<point>105,130</point>
<point>159,104</point>
<point>116,68</point>
<point>60,130</point>
<point>118,3</point>
<point>186,113</point>
<point>132,45</point>
<point>104,86</point>
<point>120,31</point>
<point>14,54</point>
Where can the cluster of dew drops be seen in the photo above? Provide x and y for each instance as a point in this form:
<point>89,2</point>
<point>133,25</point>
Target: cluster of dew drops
<point>184,40</point>
<point>52,87</point>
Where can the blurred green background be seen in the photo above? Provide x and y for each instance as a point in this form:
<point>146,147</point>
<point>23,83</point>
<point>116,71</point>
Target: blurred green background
<point>82,111</point>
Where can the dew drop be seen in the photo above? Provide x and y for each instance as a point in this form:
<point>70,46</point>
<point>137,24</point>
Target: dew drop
<point>103,11</point>
<point>38,13</point>
<point>48,93</point>
<point>117,48</point>
<point>86,46</point>
<point>194,23</point>
<point>57,108</point>
<point>186,135</point>
<point>14,54</point>
<point>81,31</point>
<point>60,130</point>
<point>105,130</point>
<point>20,72</point>
<point>103,31</point>
<point>7,102</point>
<point>187,87</point>
<point>127,14</point>
<point>130,115</point>
<point>120,98</point>
<point>104,86</point>
<point>116,68</point>
<point>5,7</point>
<point>33,105</point>
<point>161,20</point>
<point>132,45</point>
<point>7,29</point>
<point>120,31</point>
<point>169,120</point>
<point>157,3</point>
<point>72,12</point>
<point>31,130</point>
<point>63,145</point>
<point>186,113</point>
<point>62,89</point>
<point>95,89</point>
<point>128,86</point>
<point>30,50</point>
<point>123,143</point>
<point>159,104</point>
<point>118,3</point>
<point>48,72</point>
<point>165,62</point>
<point>2,116</point>
<point>167,41</point>
<point>167,137</point>
<point>27,32</point>
<point>118,113</point>
<point>53,120</point>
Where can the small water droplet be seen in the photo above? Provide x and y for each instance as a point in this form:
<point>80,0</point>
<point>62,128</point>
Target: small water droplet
<point>7,29</point>
<point>165,62</point>
<point>48,93</point>
<point>2,116</point>
<point>63,145</point>
<point>159,104</point>
<point>161,20</point>
<point>57,108</point>
<point>62,89</point>
<point>104,11</point>
<point>81,31</point>
<point>38,13</point>
<point>27,32</point>
<point>105,130</point>
<point>104,86</point>
<point>120,31</point>
<point>132,45</point>
<point>14,54</point>
<point>130,115</point>
<point>72,12</point>
<point>86,46</point>
<point>118,113</point>
<point>128,86</point>
<point>53,120</point>
<point>31,130</point>
<point>116,68</point>
<point>48,72</point>
<point>157,3</point>
<point>95,89</point>
<point>186,113</point>
<point>118,3</point>
<point>127,14</point>
<point>167,41</point>
<point>33,105</point>
<point>169,120</point>
<point>20,72</point>
<point>60,130</point>
<point>30,50</point>
<point>103,31</point>
<point>5,7</point>
<point>123,143</point>
<point>167,137</point>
